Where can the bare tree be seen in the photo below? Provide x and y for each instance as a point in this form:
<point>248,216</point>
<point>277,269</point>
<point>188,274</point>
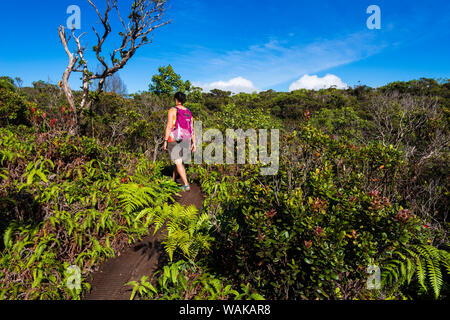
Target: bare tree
<point>150,103</point>
<point>113,83</point>
<point>145,17</point>
<point>19,82</point>
<point>406,121</point>
<point>398,118</point>
<point>414,124</point>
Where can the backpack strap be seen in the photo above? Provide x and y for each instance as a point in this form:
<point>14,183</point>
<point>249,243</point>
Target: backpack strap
<point>175,120</point>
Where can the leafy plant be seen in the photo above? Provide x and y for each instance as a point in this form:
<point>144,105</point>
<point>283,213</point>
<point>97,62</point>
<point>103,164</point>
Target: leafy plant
<point>183,280</point>
<point>186,229</point>
<point>143,287</point>
<point>428,263</point>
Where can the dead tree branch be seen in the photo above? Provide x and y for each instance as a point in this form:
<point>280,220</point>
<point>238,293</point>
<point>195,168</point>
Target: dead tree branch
<point>145,16</point>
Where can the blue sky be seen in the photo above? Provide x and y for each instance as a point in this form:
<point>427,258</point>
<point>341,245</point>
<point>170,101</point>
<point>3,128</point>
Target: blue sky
<point>257,44</point>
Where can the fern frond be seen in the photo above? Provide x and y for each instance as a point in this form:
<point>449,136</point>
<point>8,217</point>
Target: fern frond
<point>186,229</point>
<point>432,257</point>
<point>421,272</point>
<point>445,260</point>
<point>423,260</point>
<point>410,268</point>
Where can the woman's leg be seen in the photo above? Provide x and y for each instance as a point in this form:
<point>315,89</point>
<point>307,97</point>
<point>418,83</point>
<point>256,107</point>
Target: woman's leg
<point>182,171</point>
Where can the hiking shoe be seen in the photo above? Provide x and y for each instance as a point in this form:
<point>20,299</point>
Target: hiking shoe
<point>185,188</point>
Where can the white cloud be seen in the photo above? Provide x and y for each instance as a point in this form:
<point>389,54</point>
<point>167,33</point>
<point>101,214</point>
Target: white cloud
<point>315,83</point>
<point>235,85</point>
<point>277,61</point>
<point>274,62</point>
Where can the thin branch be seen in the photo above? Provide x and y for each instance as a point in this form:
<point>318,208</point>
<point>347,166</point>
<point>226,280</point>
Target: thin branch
<point>144,18</point>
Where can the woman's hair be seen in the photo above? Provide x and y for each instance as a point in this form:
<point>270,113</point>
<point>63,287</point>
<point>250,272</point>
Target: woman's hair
<point>181,97</point>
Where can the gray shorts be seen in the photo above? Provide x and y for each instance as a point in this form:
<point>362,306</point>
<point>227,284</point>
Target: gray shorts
<point>180,150</point>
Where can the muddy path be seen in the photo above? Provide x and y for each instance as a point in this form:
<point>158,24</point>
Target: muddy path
<point>137,260</point>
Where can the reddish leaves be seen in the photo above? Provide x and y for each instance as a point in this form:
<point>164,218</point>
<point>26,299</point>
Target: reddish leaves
<point>404,215</point>
<point>307,115</point>
<point>377,201</point>
<point>318,231</point>
<point>270,214</point>
<point>319,204</point>
<point>308,244</point>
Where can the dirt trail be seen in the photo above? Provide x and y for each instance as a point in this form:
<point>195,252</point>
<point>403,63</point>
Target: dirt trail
<point>137,260</point>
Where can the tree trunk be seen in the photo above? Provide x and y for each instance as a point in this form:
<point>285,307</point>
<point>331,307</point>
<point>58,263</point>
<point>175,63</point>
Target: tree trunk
<point>65,81</point>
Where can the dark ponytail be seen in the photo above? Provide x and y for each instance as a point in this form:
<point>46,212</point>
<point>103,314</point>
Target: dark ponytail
<point>181,97</point>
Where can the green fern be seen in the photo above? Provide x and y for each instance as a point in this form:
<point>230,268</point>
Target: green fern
<point>432,258</point>
<point>186,229</point>
<point>133,196</point>
<point>423,260</point>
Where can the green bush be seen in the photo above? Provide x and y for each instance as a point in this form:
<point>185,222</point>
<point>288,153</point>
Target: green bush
<point>7,83</point>
<point>362,181</point>
<point>14,109</point>
<point>312,230</point>
<point>340,122</point>
<point>60,206</point>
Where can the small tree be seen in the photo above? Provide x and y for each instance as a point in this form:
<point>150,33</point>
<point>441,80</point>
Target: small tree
<point>113,83</point>
<point>7,83</point>
<point>19,82</point>
<point>145,16</point>
<point>167,82</point>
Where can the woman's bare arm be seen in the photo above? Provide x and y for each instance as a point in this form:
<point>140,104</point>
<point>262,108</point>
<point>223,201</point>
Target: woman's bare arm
<point>171,115</point>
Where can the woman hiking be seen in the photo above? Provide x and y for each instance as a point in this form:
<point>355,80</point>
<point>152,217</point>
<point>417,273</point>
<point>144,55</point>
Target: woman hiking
<point>179,137</point>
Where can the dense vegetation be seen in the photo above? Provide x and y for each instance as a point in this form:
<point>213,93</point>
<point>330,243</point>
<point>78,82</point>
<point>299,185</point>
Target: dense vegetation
<point>362,181</point>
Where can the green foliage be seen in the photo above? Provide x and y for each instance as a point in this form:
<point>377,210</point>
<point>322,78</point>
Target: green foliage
<point>430,264</point>
<point>340,122</point>
<point>14,109</point>
<point>422,86</point>
<point>133,196</point>
<point>143,287</point>
<point>58,211</point>
<point>12,148</point>
<point>195,95</point>
<point>7,83</point>
<point>186,229</point>
<point>353,188</point>
<point>167,82</point>
<point>215,289</point>
<point>311,230</point>
<point>233,117</point>
<point>181,281</point>
<point>216,98</point>
<point>37,169</point>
